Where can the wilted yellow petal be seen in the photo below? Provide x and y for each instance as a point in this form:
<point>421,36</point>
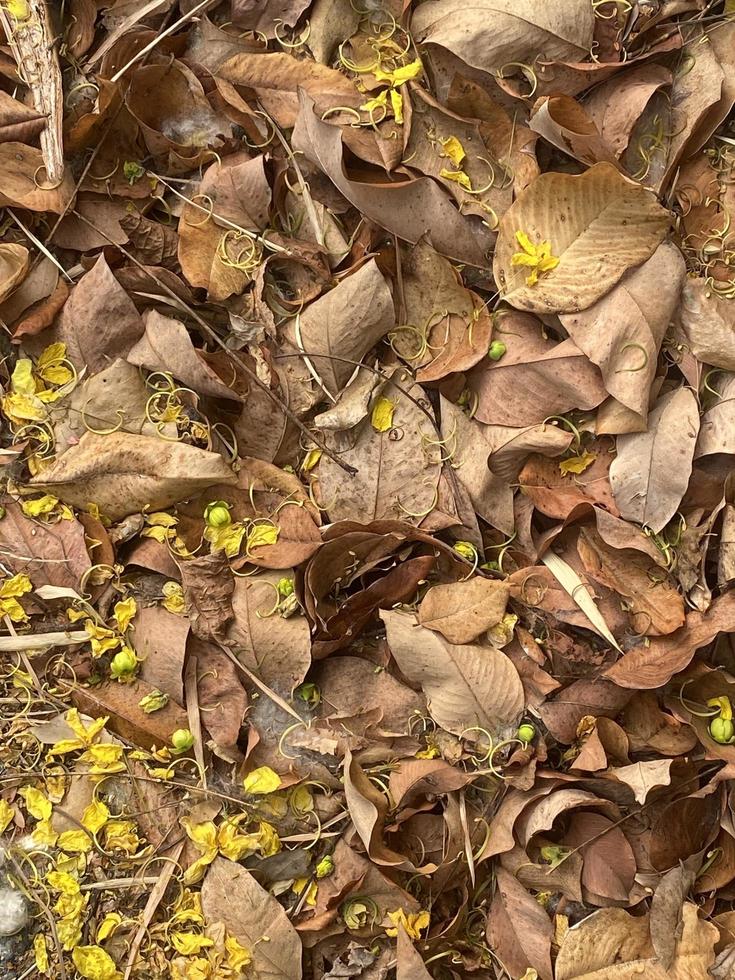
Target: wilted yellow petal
<point>173,597</point>
<point>121,835</point>
<point>22,381</point>
<point>189,943</point>
<point>458,176</point>
<point>39,506</point>
<point>300,884</point>
<point>400,75</point>
<point>382,414</point>
<point>93,963</point>
<point>311,459</point>
<point>104,758</point>
<point>6,815</point>
<point>36,803</point>
<point>75,842</point>
<point>378,102</point>
<point>87,733</point>
<point>124,612</point>
<point>396,101</point>
<point>235,845</point>
<point>102,640</point>
<point>95,816</point>
<point>40,952</point>
<point>577,464</point>
<point>261,780</point>
<point>16,586</point>
<point>24,408</point>
<point>413,923</point>
<point>453,149</point>
<point>44,834</point>
<point>238,957</point>
<point>108,925</point>
<point>260,535</point>
<point>270,842</point>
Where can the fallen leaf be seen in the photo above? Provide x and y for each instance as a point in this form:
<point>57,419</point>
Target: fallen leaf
<point>462,611</point>
<point>208,587</point>
<point>123,473</point>
<point>519,929</point>
<point>466,686</point>
<point>642,777</point>
<point>599,225</point>
<point>651,470</point>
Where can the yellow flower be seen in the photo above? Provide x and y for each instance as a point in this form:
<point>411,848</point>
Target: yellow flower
<point>108,926</point>
<point>6,815</point>
<point>270,842</point>
<point>153,701</point>
<point>300,884</point>
<point>102,640</point>
<point>204,835</point>
<point>104,758</point>
<point>261,535</point>
<point>233,844</point>
<point>261,780</point>
<point>537,258</point>
<point>189,943</point>
<point>85,735</point>
<point>196,968</point>
<point>188,908</point>
<point>577,464</point>
<point>62,881</point>
<point>95,816</point>
<point>40,953</point>
<point>413,923</point>
<point>382,414</point>
<point>50,368</point>
<point>227,538</point>
<point>237,956</point>
<point>124,612</point>
<point>10,590</point>
<point>40,506</point>
<point>70,932</point>
<point>400,75</point>
<point>453,149</point>
<point>723,703</point>
<point>75,615</point>
<point>173,597</point>
<point>458,176</point>
<point>311,459</point>
<point>37,804</point>
<point>93,963</point>
<point>55,779</point>
<point>396,101</point>
<point>121,835</point>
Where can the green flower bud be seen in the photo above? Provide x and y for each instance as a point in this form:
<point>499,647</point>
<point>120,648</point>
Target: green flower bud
<point>722,730</point>
<point>466,550</point>
<point>496,350</point>
<point>123,664</point>
<point>217,514</point>
<point>325,867</point>
<point>309,693</point>
<point>285,587</point>
<point>182,740</point>
<point>153,702</point>
<point>526,733</point>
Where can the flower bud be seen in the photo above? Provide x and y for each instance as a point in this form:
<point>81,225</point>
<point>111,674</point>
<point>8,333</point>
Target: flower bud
<point>526,733</point>
<point>496,350</point>
<point>722,730</point>
<point>182,740</point>
<point>466,550</point>
<point>217,514</point>
<point>285,587</point>
<point>325,867</point>
<point>153,701</point>
<point>123,664</point>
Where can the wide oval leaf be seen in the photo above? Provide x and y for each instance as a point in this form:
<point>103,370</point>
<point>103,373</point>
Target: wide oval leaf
<point>598,224</point>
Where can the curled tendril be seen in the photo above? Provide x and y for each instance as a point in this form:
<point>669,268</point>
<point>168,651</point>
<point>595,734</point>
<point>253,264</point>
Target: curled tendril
<point>639,367</point>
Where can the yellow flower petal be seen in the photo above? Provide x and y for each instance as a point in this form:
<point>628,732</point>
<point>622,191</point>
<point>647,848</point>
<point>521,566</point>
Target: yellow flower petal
<point>396,101</point>
<point>104,758</point>
<point>300,884</point>
<point>95,816</point>
<point>577,464</point>
<point>125,610</point>
<point>458,176</point>
<point>190,943</point>
<point>382,414</point>
<point>40,953</point>
<point>261,535</point>
<point>39,506</point>
<point>453,149</point>
<point>6,815</point>
<point>238,957</point>
<point>108,925</point>
<point>44,834</point>
<point>173,597</point>
<point>93,963</point>
<point>15,587</point>
<point>261,780</point>
<point>400,75</point>
<point>75,842</point>
<point>36,803</point>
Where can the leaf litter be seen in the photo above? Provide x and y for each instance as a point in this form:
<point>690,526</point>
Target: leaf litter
<point>367,531</point>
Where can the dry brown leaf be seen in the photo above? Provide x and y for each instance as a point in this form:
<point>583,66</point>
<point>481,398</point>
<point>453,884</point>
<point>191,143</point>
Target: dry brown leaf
<point>409,965</point>
<point>642,777</point>
<point>564,123</point>
<point>49,554</point>
<point>208,585</point>
<point>599,225</point>
<point>465,686</point>
<point>160,639</point>
<point>232,896</point>
<point>124,473</point>
<point>707,324</point>
<point>14,262</point>
<point>666,910</point>
<point>121,702</point>
<point>651,470</point>
<point>519,929</point>
<point>368,808</point>
<point>613,945</point>
<point>492,33</point>
<point>19,165</point>
<point>461,611</point>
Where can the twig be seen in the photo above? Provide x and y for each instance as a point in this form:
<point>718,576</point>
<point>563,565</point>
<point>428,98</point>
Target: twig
<point>39,245</point>
<point>213,335</point>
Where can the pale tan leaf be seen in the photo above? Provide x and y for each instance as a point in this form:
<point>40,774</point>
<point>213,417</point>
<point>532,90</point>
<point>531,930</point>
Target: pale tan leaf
<point>642,777</point>
<point>14,261</point>
<point>409,965</point>
<point>461,611</point>
<point>613,945</point>
<point>124,473</point>
<point>232,896</point>
<point>573,585</point>
<point>651,470</point>
<point>465,686</point>
<point>490,33</point>
<point>599,225</point>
